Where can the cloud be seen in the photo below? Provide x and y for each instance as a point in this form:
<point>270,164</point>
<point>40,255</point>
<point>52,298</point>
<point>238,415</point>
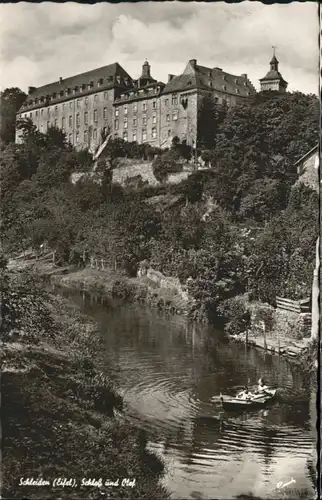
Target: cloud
<point>40,42</point>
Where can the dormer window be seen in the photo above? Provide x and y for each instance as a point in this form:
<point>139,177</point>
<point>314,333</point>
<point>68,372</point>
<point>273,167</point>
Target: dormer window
<point>77,89</point>
<point>210,84</point>
<point>61,93</point>
<point>83,87</point>
<point>237,91</point>
<point>224,87</point>
<point>224,77</point>
<point>209,74</point>
<point>100,82</point>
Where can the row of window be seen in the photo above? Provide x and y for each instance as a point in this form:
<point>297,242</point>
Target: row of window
<point>70,118</point>
<point>66,92</point>
<point>144,120</point>
<point>144,135</point>
<point>174,102</point>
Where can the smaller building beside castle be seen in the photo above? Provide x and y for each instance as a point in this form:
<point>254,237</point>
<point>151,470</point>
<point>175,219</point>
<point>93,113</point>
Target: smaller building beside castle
<point>273,80</point>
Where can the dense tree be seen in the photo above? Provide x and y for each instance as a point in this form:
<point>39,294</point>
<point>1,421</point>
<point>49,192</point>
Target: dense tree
<point>11,100</point>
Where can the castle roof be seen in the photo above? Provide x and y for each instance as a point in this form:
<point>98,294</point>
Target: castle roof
<point>112,75</point>
<point>204,78</point>
<point>137,93</point>
<point>273,75</point>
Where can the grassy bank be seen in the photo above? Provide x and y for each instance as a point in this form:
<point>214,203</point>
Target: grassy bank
<point>59,419</point>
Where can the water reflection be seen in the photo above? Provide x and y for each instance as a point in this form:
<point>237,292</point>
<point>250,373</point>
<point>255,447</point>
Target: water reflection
<point>169,370</point>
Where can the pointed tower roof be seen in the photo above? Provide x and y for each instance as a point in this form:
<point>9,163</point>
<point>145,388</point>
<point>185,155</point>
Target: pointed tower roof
<point>273,73</point>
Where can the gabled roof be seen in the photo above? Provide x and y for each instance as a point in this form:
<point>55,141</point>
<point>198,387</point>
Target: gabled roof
<point>203,78</point>
<point>106,73</point>
<point>273,75</point>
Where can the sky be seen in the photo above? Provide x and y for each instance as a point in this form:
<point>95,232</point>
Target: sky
<point>41,42</point>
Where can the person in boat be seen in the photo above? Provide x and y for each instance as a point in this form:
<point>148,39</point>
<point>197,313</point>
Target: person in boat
<point>245,394</point>
<point>262,387</point>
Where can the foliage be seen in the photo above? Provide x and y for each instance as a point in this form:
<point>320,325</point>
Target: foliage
<point>24,306</point>
<point>11,100</point>
<point>236,309</point>
<point>239,226</point>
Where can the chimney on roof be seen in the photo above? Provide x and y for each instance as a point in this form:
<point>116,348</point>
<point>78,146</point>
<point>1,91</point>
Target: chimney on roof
<point>193,63</point>
<point>244,75</point>
<point>31,90</point>
<point>170,77</point>
<point>60,80</point>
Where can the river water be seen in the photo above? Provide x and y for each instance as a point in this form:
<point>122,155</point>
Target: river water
<point>169,370</point>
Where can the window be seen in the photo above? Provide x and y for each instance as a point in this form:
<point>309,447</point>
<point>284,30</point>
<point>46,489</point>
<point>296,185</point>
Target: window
<point>125,136</point>
<point>85,136</point>
<point>166,102</point>
<point>116,124</point>
<point>105,113</point>
<point>86,101</point>
<point>56,108</point>
<point>154,133</point>
<point>30,115</point>
<point>144,106</point>
<point>48,125</point>
<point>105,95</point>
<point>154,118</point>
<point>125,109</point>
<point>77,120</point>
<point>174,100</point>
<point>95,115</point>
<point>175,115</point>
<point>169,133</point>
<point>154,105</point>
<point>95,98</point>
<point>134,136</point>
<point>70,105</point>
<point>41,128</point>
<point>168,118</point>
<point>95,134</point>
<point>86,118</point>
<point>116,111</point>
<point>135,107</point>
<point>36,113</point>
<point>125,122</point>
<point>144,120</point>
<point>64,105</point>
<point>63,123</point>
<point>56,122</point>
<point>134,122</point>
<point>70,137</point>
<point>70,120</point>
<point>77,137</point>
<point>143,135</point>
<point>78,103</point>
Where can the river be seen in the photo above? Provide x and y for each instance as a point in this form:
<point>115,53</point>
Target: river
<point>168,370</point>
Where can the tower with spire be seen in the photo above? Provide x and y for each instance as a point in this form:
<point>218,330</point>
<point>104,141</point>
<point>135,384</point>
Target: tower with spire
<point>273,80</point>
<point>146,78</point>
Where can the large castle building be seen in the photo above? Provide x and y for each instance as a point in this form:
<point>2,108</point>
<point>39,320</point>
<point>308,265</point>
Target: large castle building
<point>108,102</point>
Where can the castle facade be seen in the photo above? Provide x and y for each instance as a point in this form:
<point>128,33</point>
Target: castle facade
<point>108,102</point>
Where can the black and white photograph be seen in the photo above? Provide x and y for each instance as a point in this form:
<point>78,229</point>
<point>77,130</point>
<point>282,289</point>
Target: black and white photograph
<point>160,250</point>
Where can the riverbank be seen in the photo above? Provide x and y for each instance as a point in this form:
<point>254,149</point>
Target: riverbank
<point>113,284</point>
<point>64,419</point>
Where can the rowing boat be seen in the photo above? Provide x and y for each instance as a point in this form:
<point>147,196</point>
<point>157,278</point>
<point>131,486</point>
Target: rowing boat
<point>254,401</point>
